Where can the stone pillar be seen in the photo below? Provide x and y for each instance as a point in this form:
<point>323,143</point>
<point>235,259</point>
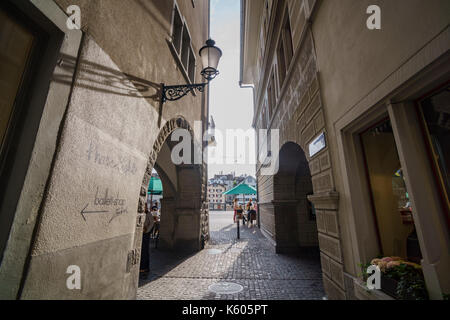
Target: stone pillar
<point>187,218</point>
<point>167,226</point>
<point>286,236</point>
<point>326,205</point>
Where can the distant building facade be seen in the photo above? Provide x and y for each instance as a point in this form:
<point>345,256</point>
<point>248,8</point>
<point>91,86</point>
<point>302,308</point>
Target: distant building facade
<point>216,198</point>
<point>229,181</point>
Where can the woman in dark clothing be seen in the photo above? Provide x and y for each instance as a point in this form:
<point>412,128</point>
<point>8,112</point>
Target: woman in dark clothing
<point>145,249</point>
<point>235,207</point>
<point>251,213</point>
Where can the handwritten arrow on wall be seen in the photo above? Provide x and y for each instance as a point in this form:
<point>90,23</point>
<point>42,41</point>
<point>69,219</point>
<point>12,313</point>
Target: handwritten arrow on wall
<point>84,211</point>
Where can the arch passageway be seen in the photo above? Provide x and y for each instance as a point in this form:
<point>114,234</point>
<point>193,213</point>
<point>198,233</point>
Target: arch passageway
<point>294,216</point>
<point>184,222</point>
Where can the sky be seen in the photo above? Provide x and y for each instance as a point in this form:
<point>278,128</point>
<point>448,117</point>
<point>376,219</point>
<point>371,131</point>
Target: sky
<point>230,106</point>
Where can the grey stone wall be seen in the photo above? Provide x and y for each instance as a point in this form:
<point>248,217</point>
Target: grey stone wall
<point>112,131</point>
<point>299,114</point>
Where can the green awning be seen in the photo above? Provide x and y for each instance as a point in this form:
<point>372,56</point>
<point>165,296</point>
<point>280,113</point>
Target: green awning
<point>241,189</point>
<point>155,186</point>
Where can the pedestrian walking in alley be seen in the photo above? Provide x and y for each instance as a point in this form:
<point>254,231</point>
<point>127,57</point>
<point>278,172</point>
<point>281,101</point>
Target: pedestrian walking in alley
<point>248,208</point>
<point>255,209</point>
<point>235,208</point>
<point>145,254</point>
<point>156,218</point>
<point>251,213</point>
<point>240,213</point>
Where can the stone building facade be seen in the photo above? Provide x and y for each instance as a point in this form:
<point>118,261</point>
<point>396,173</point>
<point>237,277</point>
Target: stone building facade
<point>323,78</point>
<point>89,127</point>
<point>216,197</point>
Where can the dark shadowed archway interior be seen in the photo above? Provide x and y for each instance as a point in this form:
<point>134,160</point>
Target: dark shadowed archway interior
<point>295,224</point>
<point>182,227</point>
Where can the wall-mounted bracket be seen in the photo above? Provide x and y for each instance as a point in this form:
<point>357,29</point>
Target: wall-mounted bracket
<point>174,93</point>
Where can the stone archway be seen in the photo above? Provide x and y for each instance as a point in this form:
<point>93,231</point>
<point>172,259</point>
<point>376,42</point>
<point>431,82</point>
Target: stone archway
<point>184,216</point>
<point>295,225</point>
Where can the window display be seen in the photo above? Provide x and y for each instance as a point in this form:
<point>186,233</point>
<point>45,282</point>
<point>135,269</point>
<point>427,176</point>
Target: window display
<point>389,195</point>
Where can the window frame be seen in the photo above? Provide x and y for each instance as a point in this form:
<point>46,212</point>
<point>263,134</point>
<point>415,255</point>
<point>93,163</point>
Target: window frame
<point>367,177</point>
<point>189,67</point>
<point>284,57</point>
<point>437,174</point>
<point>176,13</point>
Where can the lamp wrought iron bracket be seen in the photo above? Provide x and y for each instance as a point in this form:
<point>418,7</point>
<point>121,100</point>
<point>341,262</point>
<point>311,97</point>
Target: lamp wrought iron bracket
<point>174,93</point>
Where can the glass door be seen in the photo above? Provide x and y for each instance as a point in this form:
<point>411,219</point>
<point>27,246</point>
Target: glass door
<point>388,193</point>
<point>435,113</point>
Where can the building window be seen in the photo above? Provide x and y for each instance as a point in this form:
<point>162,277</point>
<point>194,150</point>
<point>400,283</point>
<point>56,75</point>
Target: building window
<point>191,65</point>
<point>435,113</point>
<point>287,41</point>
<point>177,30</point>
<point>181,41</point>
<point>281,63</point>
<point>271,95</point>
<point>388,193</point>
<point>285,50</point>
<point>185,46</point>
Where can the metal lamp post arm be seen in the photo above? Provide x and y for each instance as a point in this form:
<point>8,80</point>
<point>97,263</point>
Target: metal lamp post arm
<point>174,93</point>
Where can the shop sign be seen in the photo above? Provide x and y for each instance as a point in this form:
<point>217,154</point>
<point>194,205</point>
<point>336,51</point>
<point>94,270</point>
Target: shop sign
<point>317,145</point>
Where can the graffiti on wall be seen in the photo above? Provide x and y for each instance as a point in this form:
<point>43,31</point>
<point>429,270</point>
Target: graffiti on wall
<point>106,204</point>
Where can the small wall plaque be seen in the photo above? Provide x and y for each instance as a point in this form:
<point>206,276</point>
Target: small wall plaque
<point>317,145</point>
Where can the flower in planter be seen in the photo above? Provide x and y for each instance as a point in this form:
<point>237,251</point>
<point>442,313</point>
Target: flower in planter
<point>382,265</point>
<point>401,279</point>
<point>375,262</point>
<point>393,264</point>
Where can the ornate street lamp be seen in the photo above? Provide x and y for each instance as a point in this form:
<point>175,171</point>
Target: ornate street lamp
<point>210,56</point>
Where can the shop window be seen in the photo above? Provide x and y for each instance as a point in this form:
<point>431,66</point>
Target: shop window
<point>389,196</point>
<point>435,112</point>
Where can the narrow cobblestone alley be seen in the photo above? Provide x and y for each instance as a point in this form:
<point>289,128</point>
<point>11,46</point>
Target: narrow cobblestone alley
<point>250,262</point>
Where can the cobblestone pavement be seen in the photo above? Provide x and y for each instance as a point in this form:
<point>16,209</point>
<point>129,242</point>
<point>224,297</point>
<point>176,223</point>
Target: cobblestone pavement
<point>250,262</point>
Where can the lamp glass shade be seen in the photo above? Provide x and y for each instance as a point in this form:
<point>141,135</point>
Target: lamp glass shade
<point>210,55</point>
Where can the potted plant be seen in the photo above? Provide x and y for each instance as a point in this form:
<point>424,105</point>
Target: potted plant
<point>400,279</point>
